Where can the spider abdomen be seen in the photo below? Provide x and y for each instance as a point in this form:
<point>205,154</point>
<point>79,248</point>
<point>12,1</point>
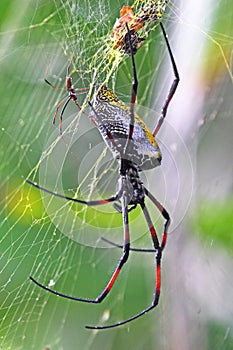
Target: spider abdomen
<point>112,117</point>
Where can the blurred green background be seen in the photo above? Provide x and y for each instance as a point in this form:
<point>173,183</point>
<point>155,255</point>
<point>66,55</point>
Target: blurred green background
<point>38,39</point>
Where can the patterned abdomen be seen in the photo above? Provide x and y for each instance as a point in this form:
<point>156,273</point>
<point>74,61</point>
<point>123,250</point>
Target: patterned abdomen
<point>112,117</point>
<point>152,12</point>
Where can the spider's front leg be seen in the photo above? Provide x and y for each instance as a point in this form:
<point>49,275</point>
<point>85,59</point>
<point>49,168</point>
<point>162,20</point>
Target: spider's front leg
<point>133,92</point>
<point>173,86</point>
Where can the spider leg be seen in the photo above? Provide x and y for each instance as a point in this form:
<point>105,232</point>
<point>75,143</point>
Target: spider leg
<point>173,86</point>
<point>166,216</point>
<point>57,109</point>
<point>53,86</point>
<point>118,207</point>
<point>158,275</point>
<point>164,213</point>
<point>89,203</point>
<point>72,96</point>
<point>133,92</point>
<point>75,101</point>
<point>62,88</point>
<point>132,249</point>
<point>122,322</point>
<point>68,99</point>
<point>64,102</point>
<point>115,274</point>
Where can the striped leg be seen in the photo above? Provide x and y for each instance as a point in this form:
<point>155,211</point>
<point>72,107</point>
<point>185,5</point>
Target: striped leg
<point>158,255</point>
<point>165,214</point>
<point>122,260</point>
<point>173,86</point>
<point>66,102</point>
<point>142,250</point>
<point>133,93</point>
<point>89,203</point>
<point>125,253</point>
<point>158,275</point>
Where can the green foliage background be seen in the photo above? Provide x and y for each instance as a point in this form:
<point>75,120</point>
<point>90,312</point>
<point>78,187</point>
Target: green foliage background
<point>32,35</point>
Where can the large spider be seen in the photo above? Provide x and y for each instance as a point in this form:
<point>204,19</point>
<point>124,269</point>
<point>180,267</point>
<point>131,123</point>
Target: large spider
<point>136,149</point>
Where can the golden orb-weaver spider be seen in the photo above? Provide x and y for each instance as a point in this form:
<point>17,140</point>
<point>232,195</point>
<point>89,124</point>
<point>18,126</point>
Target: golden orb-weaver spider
<point>134,145</point>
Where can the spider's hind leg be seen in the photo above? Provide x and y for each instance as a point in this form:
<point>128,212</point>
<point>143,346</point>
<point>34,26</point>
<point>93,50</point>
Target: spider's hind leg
<point>117,207</point>
<point>142,250</point>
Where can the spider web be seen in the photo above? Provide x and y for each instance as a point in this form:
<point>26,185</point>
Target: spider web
<point>60,243</point>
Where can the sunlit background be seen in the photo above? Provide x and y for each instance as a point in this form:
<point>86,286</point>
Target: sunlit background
<point>60,244</point>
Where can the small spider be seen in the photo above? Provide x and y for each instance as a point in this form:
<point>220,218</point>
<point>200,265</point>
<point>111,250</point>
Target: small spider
<point>136,149</point>
<point>65,101</point>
